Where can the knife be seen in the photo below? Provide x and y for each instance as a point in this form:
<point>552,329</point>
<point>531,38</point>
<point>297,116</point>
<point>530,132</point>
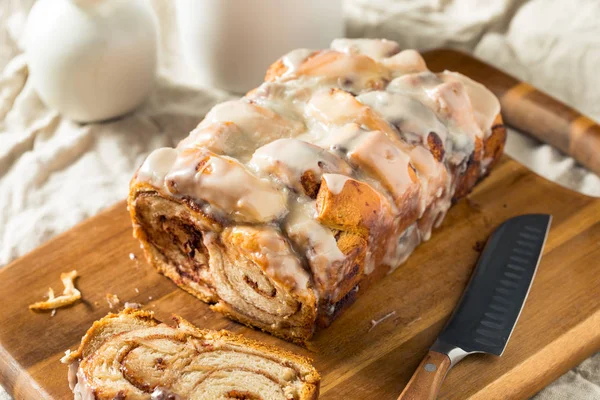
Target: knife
<point>489,309</point>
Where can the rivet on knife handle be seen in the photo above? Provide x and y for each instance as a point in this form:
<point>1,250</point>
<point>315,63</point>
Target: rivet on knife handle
<point>490,307</point>
<point>427,379</point>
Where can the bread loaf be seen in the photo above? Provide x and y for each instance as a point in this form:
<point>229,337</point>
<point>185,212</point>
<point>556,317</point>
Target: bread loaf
<point>280,206</point>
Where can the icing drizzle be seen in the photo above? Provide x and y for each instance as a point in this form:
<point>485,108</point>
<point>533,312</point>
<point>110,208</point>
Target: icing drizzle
<point>362,110</point>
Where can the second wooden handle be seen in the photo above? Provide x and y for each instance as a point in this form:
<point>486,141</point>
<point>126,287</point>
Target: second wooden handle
<point>553,122</point>
<point>427,379</point>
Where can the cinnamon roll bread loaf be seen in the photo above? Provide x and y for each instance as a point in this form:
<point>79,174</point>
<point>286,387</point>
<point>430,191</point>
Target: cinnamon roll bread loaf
<point>281,206</point>
<point>133,356</point>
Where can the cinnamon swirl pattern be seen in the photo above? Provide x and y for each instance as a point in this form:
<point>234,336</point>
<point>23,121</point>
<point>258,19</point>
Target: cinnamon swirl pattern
<point>280,207</point>
<point>132,356</point>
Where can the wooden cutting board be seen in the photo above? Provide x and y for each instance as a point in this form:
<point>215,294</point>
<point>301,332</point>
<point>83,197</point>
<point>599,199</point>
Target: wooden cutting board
<point>558,328</point>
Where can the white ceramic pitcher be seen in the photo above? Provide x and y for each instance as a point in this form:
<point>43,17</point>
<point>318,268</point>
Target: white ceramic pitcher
<point>230,43</point>
<point>92,59</point>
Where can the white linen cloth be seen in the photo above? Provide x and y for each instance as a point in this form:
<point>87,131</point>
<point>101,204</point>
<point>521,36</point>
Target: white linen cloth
<point>54,173</point>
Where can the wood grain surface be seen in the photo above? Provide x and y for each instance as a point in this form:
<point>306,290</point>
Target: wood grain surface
<point>558,328</point>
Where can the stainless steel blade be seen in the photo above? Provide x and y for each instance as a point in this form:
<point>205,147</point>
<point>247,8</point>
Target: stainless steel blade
<point>492,302</point>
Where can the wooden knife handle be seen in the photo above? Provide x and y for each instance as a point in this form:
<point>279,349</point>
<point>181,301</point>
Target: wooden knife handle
<point>427,379</point>
<point>530,110</point>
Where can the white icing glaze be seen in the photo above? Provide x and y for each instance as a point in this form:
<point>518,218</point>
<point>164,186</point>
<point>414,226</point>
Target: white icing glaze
<point>294,58</point>
<point>161,393</point>
<point>289,159</point>
<point>352,72</point>
<point>82,389</point>
<point>374,48</point>
<point>485,105</point>
<point>338,139</point>
<point>450,104</point>
<point>335,182</point>
<point>72,375</point>
<point>406,113</point>
<point>451,101</point>
<point>306,120</point>
<point>375,152</point>
<point>285,99</point>
<point>260,124</point>
<point>433,176</point>
<point>281,263</point>
<point>226,184</point>
<point>224,138</point>
<point>332,107</point>
<point>157,165</point>
<point>302,229</point>
<point>399,250</point>
<point>405,62</point>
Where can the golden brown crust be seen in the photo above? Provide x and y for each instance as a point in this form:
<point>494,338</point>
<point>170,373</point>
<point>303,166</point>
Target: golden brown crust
<point>275,70</point>
<point>108,326</point>
<point>494,144</point>
<point>310,184</point>
<point>357,208</point>
<point>489,150</point>
<point>436,146</point>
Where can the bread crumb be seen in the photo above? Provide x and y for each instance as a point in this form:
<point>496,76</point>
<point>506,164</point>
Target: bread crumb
<point>69,296</point>
<point>137,290</point>
<point>113,300</point>
<point>132,257</point>
<point>135,306</point>
<point>64,359</point>
<point>149,297</point>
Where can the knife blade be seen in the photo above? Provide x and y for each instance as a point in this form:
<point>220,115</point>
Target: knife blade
<point>489,309</point>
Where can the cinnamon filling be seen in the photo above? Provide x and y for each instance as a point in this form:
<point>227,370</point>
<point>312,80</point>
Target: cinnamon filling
<point>163,362</point>
<point>177,238</point>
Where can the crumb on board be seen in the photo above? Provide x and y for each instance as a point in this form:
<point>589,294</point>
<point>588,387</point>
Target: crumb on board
<point>64,359</point>
<point>137,290</point>
<point>69,296</point>
<point>149,297</point>
<point>133,305</point>
<point>375,322</point>
<point>132,257</point>
<point>113,300</point>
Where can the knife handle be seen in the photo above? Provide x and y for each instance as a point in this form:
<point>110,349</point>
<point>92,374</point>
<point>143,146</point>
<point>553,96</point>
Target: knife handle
<point>427,379</point>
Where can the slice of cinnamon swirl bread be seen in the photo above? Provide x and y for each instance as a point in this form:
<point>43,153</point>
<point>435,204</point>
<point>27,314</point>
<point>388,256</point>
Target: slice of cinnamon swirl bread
<point>131,355</point>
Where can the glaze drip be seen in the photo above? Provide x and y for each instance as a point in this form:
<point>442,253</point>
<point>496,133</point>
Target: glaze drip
<point>362,113</point>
